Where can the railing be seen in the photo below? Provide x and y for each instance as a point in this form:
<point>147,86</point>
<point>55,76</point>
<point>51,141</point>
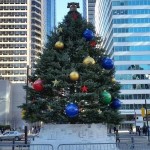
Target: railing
<point>94,146</point>
<point>20,146</point>
<point>85,146</point>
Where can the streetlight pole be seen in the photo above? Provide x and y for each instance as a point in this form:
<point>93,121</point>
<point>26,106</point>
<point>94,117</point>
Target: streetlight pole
<point>26,128</point>
<point>147,120</point>
<point>27,83</point>
<point>135,119</point>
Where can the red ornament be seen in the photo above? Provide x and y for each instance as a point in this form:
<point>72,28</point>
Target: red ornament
<point>38,85</point>
<point>84,89</point>
<point>75,16</point>
<point>93,43</point>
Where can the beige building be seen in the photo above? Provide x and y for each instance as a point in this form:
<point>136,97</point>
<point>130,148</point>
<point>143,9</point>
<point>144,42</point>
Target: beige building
<point>23,30</point>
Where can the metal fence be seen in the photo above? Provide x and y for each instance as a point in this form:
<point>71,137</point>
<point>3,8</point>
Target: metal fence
<point>94,146</point>
<point>26,147</point>
<point>87,146</point>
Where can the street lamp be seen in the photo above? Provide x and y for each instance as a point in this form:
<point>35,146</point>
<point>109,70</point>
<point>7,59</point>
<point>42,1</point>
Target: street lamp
<point>147,119</point>
<point>135,119</point>
<point>26,128</point>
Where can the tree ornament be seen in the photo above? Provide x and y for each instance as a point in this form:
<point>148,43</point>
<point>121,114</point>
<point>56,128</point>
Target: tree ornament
<point>38,85</point>
<point>72,110</point>
<point>105,97</point>
<point>84,89</point>
<point>59,45</point>
<point>113,80</point>
<point>60,30</point>
<point>107,63</point>
<point>88,60</point>
<point>74,16</point>
<point>74,76</point>
<point>55,83</point>
<point>116,104</point>
<point>88,34</point>
<point>93,43</point>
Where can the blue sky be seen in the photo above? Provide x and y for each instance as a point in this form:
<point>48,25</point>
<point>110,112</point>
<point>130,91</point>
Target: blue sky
<point>62,10</point>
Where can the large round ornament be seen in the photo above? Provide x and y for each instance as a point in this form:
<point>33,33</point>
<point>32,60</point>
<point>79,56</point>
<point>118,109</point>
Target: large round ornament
<point>59,45</point>
<point>93,43</point>
<point>107,63</point>
<point>88,60</point>
<point>116,104</point>
<point>88,34</point>
<point>72,110</point>
<point>74,76</point>
<point>113,80</point>
<point>105,97</point>
<point>38,85</point>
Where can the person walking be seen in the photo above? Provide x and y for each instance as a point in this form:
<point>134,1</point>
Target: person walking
<point>114,129</point>
<point>139,131</point>
<point>131,129</point>
<point>117,137</point>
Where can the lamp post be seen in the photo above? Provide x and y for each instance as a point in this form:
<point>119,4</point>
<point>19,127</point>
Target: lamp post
<point>26,128</point>
<point>147,120</point>
<point>135,119</point>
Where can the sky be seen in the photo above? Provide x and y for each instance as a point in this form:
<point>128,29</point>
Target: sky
<point>62,10</point>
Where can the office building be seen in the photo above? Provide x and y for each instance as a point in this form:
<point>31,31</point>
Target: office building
<point>24,25</point>
<point>89,10</point>
<point>125,29</point>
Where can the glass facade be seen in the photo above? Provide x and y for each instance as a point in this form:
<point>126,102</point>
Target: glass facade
<point>124,26</point>
<point>89,10</point>
<point>50,15</point>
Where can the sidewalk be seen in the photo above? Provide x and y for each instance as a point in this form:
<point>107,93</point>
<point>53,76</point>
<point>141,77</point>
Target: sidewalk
<point>125,137</point>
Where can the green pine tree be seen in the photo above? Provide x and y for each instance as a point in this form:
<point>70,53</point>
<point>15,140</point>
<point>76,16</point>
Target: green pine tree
<point>87,93</point>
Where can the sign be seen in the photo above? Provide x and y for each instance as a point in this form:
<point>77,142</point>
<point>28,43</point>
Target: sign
<point>143,111</point>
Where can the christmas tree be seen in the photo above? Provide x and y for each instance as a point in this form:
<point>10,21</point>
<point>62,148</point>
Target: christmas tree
<point>73,80</point>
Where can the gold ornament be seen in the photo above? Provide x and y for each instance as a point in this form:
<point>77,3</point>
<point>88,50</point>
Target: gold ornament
<point>113,80</point>
<point>74,76</point>
<point>88,60</point>
<point>55,82</point>
<point>59,45</point>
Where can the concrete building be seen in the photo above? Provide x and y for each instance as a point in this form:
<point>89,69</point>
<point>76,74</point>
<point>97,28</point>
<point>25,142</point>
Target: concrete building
<point>89,10</point>
<point>125,28</point>
<point>24,25</point>
<point>11,96</point>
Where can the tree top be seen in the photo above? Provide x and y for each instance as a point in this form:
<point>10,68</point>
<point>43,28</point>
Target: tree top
<point>73,6</point>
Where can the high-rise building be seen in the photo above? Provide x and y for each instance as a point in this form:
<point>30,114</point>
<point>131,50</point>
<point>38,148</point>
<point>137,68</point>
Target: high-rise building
<point>50,15</point>
<point>89,10</point>
<point>24,25</point>
<point>124,26</point>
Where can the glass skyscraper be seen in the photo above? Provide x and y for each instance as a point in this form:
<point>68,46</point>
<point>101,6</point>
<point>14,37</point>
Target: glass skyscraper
<point>124,26</point>
<point>89,10</point>
<point>50,15</point>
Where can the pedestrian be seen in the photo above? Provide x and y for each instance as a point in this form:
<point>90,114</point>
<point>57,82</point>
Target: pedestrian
<point>117,137</point>
<point>114,129</point>
<point>131,129</point>
<point>139,131</point>
<point>2,130</point>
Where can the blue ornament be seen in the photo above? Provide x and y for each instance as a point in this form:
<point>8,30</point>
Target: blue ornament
<point>116,104</point>
<point>88,34</point>
<point>72,110</point>
<point>107,63</point>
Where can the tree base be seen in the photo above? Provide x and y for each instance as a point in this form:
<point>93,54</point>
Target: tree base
<point>57,134</point>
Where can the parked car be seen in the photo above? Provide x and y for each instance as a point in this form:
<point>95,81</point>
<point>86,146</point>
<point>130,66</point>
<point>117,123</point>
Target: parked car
<point>10,135</point>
